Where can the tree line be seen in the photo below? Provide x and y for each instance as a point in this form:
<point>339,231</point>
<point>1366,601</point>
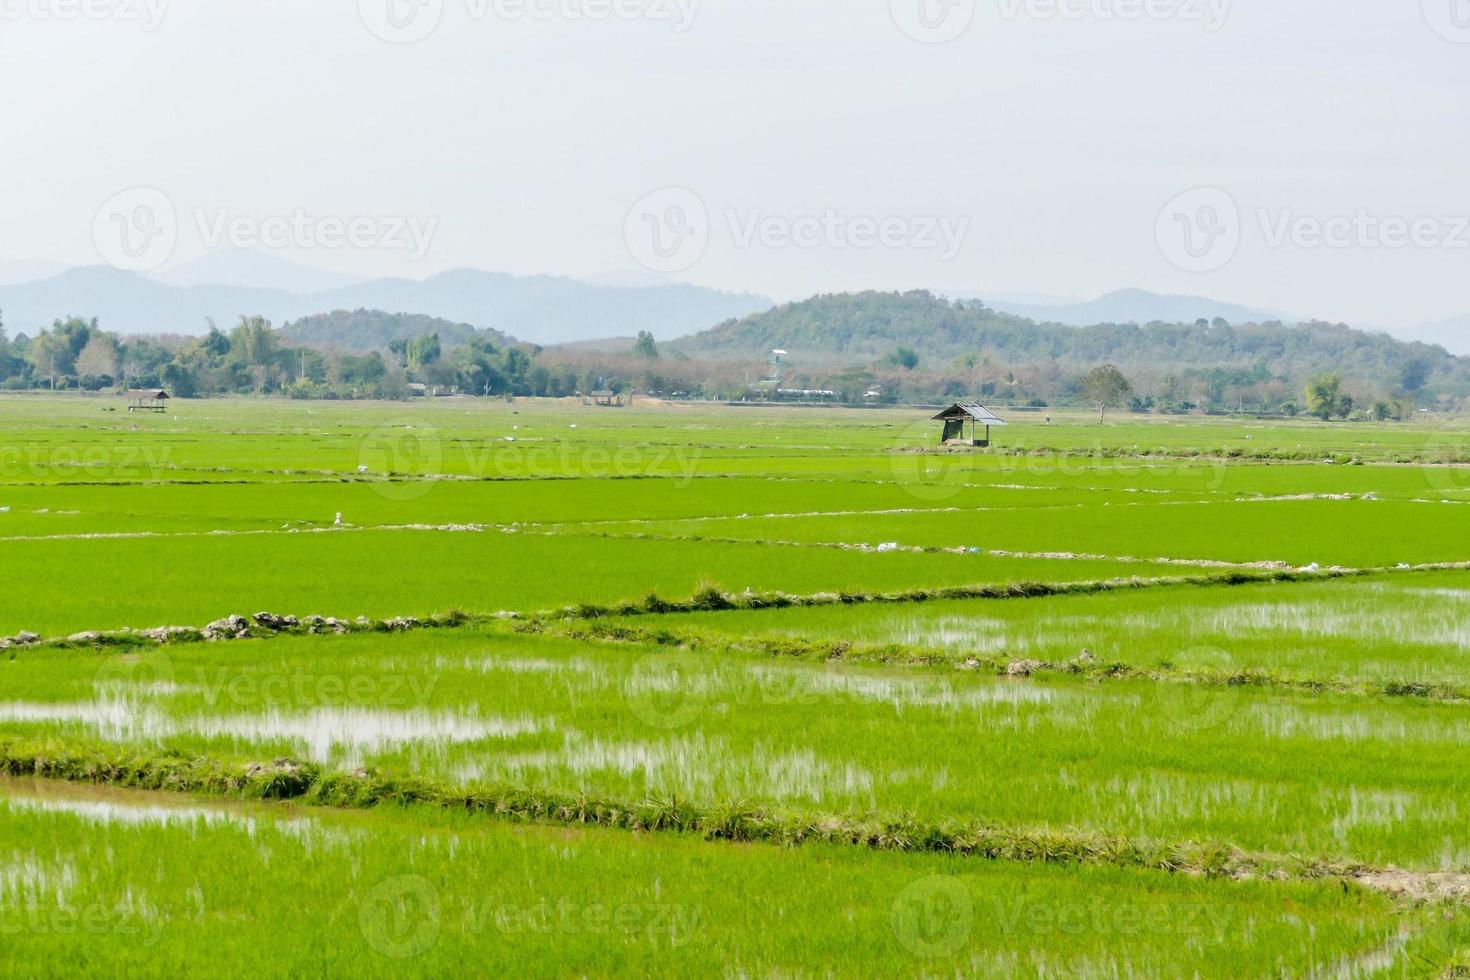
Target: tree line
<point>369,354</point>
<point>255,358</point>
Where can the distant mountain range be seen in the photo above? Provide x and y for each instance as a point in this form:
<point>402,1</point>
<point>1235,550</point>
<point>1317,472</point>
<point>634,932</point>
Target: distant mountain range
<point>863,329</point>
<point>1132,306</point>
<point>1141,306</point>
<point>1452,334</point>
<point>538,309</point>
<point>545,310</point>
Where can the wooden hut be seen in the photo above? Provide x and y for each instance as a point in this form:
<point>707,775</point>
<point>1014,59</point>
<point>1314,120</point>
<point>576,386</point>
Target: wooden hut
<point>604,399</point>
<point>147,400</point>
<point>955,418</point>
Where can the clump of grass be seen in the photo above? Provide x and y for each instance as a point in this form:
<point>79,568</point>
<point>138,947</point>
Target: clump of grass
<point>653,605</point>
<point>710,598</point>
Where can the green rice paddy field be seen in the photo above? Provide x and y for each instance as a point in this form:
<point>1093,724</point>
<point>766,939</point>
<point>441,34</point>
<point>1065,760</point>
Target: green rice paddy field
<point>676,690</point>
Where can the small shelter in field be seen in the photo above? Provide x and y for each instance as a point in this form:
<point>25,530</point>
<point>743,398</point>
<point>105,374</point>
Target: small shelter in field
<point>147,400</point>
<point>606,399</point>
<point>956,416</point>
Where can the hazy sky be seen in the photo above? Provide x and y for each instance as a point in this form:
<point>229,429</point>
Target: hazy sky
<point>811,145</point>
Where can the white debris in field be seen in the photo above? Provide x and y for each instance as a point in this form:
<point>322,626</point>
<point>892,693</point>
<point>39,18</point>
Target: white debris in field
<point>339,519</point>
<point>888,546</point>
<point>1287,498</point>
<point>1313,568</point>
<point>362,469</point>
<point>1265,566</point>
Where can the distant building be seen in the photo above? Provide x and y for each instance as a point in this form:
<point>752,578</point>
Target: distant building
<point>604,399</point>
<point>777,361</point>
<point>956,416</point>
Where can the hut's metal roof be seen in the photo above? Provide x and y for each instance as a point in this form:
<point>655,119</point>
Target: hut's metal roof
<point>978,413</point>
<point>147,394</point>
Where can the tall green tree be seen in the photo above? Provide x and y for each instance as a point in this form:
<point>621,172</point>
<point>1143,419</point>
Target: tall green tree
<point>423,351</point>
<point>50,357</point>
<point>99,359</point>
<point>1324,396</point>
<point>645,346</point>
<point>254,343</point>
<point>1106,387</point>
<point>1415,375</point>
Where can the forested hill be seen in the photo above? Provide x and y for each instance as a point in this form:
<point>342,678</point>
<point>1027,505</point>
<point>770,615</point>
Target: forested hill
<point>363,331</point>
<point>864,328</point>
